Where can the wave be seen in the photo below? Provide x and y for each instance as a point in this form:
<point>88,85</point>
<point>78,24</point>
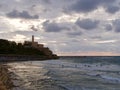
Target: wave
<point>111,79</point>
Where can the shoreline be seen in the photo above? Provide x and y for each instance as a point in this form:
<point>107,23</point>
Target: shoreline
<point>30,76</point>
<point>53,75</point>
<point>12,58</point>
<point>5,80</point>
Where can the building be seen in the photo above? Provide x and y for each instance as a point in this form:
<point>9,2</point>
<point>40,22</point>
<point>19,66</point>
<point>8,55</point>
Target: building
<point>33,44</point>
<point>46,50</point>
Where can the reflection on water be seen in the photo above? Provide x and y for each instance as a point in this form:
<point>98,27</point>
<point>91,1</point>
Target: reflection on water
<point>29,76</point>
<point>65,75</point>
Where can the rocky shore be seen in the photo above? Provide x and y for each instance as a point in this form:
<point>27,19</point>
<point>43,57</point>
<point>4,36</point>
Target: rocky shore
<point>5,81</point>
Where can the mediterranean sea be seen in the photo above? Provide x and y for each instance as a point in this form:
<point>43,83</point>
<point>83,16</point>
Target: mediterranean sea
<point>67,73</point>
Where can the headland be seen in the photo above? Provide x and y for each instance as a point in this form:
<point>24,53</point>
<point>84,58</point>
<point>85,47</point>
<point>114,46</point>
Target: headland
<point>29,50</point>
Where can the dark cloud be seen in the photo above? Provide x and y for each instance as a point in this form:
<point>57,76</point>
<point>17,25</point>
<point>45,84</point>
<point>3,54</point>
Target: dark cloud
<point>88,5</point>
<point>116,24</point>
<point>84,6</point>
<point>34,28</point>
<point>108,27</point>
<point>53,26</point>
<point>87,24</point>
<point>112,9</point>
<point>23,14</point>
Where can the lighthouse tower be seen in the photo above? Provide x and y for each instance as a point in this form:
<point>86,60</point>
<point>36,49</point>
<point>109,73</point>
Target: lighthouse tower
<point>35,44</point>
<point>32,39</point>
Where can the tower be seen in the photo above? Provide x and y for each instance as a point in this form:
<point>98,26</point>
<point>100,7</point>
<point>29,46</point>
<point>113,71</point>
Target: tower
<point>32,39</point>
<point>34,44</point>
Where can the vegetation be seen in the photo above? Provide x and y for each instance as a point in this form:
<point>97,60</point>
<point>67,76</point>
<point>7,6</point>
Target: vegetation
<point>11,47</point>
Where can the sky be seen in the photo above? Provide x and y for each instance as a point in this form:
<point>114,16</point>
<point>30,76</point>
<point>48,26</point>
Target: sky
<point>67,27</point>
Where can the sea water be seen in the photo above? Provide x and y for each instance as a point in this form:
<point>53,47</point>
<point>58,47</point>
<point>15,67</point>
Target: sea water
<point>67,73</point>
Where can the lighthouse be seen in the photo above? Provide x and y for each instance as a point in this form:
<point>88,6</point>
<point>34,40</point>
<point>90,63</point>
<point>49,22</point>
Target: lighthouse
<point>33,42</point>
<point>32,39</point>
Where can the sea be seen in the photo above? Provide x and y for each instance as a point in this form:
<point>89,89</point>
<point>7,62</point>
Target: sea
<point>67,73</point>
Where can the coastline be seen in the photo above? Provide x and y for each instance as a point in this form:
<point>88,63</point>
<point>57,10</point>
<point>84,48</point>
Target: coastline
<point>5,81</point>
<point>12,57</point>
<point>30,76</point>
<point>66,74</point>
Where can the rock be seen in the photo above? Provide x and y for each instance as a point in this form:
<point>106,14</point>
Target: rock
<point>5,81</point>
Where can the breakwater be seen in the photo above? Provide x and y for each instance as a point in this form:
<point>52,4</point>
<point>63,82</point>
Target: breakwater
<point>5,81</point>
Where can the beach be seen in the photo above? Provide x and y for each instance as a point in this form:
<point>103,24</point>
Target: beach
<point>27,76</point>
<point>66,74</point>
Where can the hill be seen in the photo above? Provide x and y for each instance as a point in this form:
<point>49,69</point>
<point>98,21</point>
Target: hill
<point>27,48</point>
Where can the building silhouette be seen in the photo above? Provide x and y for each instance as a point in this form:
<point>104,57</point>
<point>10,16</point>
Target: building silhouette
<point>34,44</point>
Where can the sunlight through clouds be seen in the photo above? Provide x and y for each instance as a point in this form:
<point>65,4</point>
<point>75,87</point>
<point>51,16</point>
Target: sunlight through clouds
<point>19,38</point>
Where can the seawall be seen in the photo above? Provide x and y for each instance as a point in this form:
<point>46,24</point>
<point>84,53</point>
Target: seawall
<point>5,81</point>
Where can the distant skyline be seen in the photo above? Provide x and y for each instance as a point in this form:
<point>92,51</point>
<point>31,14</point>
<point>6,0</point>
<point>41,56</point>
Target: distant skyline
<point>67,27</point>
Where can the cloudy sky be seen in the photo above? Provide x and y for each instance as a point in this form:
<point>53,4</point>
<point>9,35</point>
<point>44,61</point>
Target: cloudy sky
<point>67,27</point>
